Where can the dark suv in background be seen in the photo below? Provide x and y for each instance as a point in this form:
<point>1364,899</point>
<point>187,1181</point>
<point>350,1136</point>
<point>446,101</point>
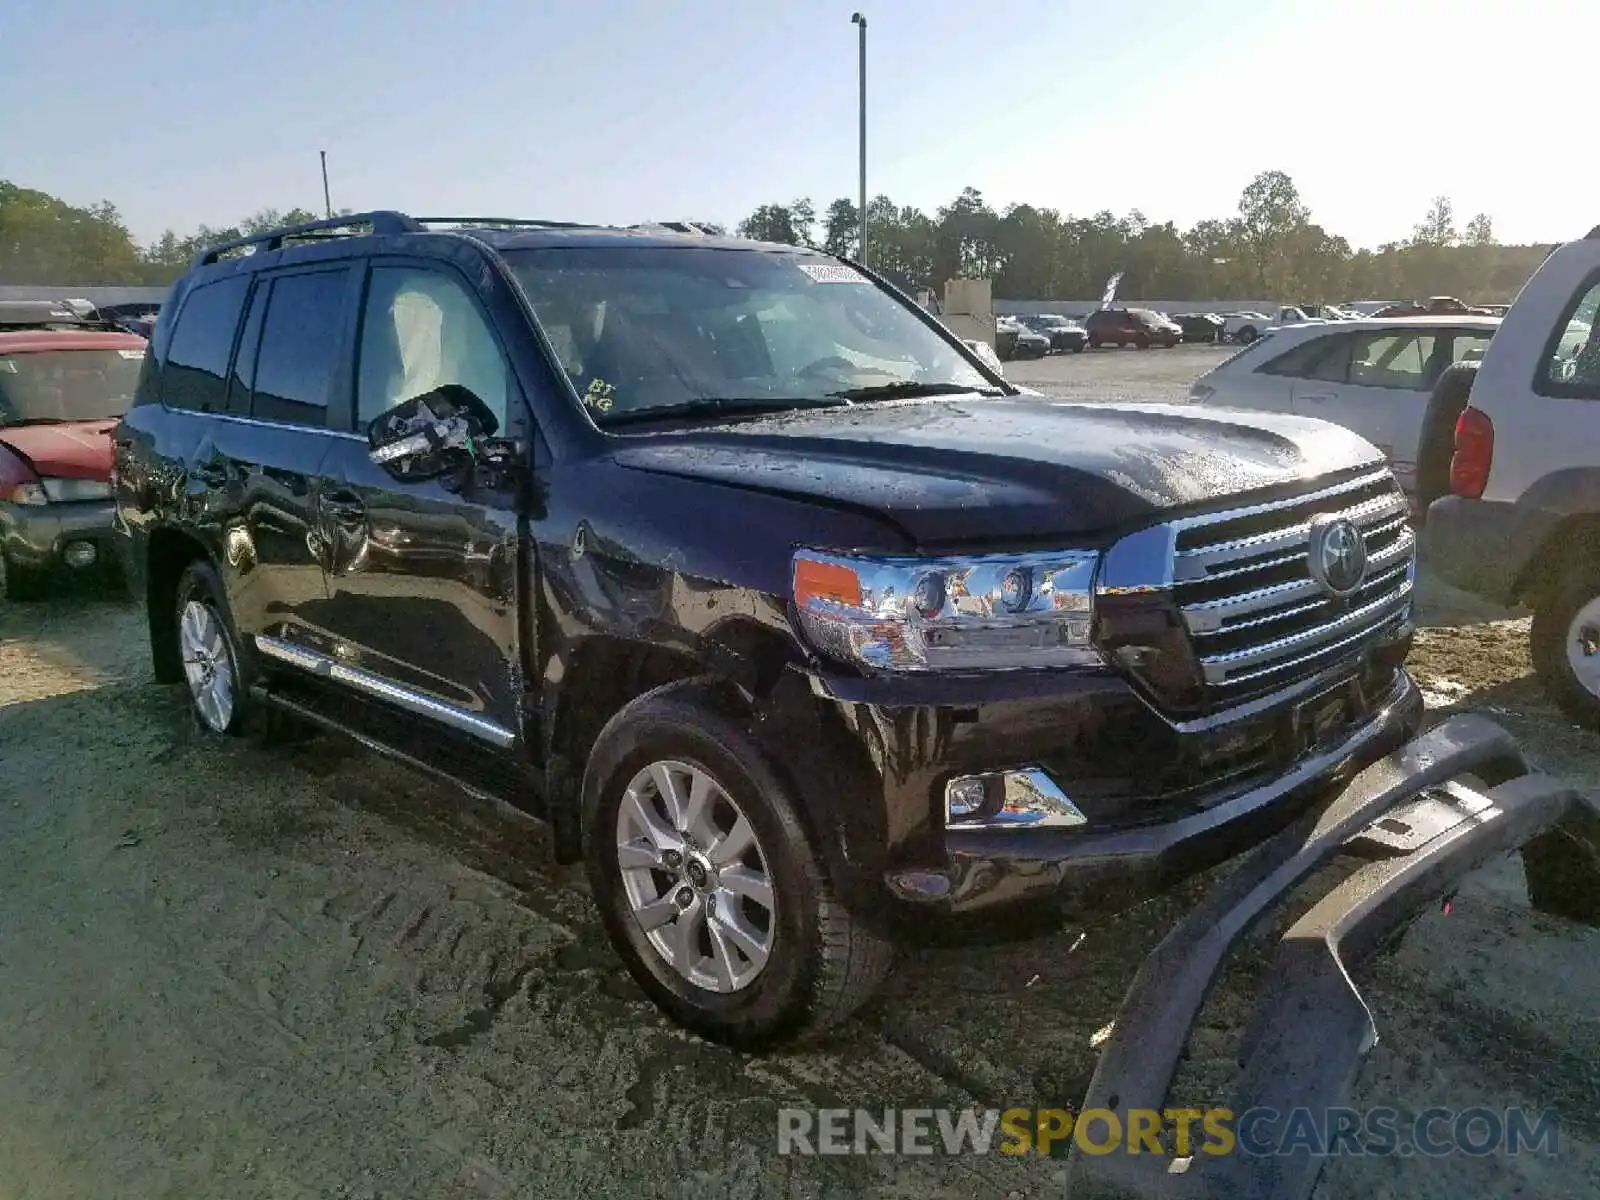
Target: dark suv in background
<point>800,626</point>
<point>1139,327</point>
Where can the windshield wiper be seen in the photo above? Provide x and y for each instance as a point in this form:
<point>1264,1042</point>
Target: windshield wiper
<point>33,421</point>
<point>905,389</point>
<point>717,406</point>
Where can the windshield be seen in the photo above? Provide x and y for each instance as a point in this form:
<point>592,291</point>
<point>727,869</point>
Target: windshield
<point>67,385</point>
<point>640,329</point>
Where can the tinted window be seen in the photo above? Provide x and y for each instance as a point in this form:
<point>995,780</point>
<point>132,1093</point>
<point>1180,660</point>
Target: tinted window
<point>197,356</point>
<point>1571,365</point>
<point>1320,358</point>
<point>422,330</point>
<point>244,362</point>
<point>300,342</point>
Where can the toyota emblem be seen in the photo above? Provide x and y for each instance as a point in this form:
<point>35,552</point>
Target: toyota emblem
<point>1338,555</point>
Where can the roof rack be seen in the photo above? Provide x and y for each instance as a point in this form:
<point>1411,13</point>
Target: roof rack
<point>695,227</point>
<point>384,222</point>
<point>503,222</point>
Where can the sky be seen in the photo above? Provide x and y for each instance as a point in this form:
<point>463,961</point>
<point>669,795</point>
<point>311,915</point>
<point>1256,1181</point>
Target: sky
<point>182,112</point>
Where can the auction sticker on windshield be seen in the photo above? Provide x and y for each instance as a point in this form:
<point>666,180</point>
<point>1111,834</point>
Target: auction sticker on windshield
<point>832,273</point>
<point>131,353</point>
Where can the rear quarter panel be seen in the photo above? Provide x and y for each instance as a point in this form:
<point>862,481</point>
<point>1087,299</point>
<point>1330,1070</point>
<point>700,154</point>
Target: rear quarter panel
<point>1536,435</point>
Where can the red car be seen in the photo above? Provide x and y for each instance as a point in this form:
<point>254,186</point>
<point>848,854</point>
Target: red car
<point>64,383</point>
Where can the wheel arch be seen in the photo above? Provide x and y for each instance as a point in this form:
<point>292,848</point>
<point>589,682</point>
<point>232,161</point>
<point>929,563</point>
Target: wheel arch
<point>167,553</point>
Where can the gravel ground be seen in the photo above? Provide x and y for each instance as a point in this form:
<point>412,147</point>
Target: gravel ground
<point>240,971</point>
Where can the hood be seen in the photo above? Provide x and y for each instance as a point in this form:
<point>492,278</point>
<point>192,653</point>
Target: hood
<point>71,450</point>
<point>1007,469</point>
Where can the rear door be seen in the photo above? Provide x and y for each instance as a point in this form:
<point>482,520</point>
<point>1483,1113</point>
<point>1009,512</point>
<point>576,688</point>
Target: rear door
<point>423,579</point>
<point>1389,376</point>
<point>292,359</point>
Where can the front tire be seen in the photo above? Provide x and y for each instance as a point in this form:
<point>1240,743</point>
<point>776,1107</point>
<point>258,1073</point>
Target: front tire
<point>1566,639</point>
<point>706,881</point>
<point>209,652</point>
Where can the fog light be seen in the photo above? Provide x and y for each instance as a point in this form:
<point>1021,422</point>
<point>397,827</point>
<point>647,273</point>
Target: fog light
<point>1024,798</point>
<point>80,554</point>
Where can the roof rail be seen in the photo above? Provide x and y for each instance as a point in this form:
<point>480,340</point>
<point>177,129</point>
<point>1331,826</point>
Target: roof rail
<point>696,227</point>
<point>507,222</point>
<point>383,221</point>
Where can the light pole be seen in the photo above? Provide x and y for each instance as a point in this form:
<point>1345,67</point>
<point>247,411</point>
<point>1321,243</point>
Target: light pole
<point>860,20</point>
<point>327,204</point>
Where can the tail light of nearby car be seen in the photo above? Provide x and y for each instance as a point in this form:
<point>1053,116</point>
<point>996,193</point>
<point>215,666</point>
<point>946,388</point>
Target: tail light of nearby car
<point>1469,467</point>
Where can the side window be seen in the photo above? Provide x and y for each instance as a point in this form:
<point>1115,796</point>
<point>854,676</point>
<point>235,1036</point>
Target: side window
<point>243,378</point>
<point>299,353</point>
<point>1320,358</point>
<point>1571,365</point>
<point>197,356</point>
<point>421,330</point>
<point>1395,360</point>
<point>1468,347</point>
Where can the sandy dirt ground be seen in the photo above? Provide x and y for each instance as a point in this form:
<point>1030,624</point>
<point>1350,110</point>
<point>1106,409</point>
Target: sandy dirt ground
<point>228,970</point>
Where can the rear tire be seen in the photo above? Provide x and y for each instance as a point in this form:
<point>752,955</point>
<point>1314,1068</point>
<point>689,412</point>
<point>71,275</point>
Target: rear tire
<point>1248,334</point>
<point>1565,642</point>
<point>817,963</point>
<point>213,662</point>
<point>22,584</point>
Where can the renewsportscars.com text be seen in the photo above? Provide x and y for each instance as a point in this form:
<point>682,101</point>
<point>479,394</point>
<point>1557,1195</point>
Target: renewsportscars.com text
<point>1172,1132</point>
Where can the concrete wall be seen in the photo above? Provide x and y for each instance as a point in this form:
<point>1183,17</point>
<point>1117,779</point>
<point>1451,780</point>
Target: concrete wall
<point>92,293</point>
<point>1078,308</point>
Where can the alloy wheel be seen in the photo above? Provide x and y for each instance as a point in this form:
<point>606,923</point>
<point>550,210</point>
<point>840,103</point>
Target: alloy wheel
<point>695,876</point>
<point>207,664</point>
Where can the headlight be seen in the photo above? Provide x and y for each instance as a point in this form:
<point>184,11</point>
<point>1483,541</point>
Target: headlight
<point>61,491</point>
<point>949,614</point>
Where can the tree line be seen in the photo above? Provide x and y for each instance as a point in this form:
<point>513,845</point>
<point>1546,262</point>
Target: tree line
<point>1269,248</point>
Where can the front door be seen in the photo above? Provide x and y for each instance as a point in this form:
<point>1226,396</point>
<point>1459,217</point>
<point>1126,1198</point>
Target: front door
<point>423,580</point>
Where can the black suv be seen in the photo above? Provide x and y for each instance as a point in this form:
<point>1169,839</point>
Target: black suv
<point>795,621</point>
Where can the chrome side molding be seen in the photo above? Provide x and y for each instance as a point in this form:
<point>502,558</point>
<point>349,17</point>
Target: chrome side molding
<point>326,667</point>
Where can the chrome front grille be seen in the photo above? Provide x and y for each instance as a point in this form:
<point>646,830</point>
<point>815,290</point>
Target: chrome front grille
<point>1256,617</point>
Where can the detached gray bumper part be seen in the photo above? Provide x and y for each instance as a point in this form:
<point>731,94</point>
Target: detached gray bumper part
<point>1311,1029</point>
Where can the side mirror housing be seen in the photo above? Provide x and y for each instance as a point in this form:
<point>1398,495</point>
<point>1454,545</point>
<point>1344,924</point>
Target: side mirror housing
<point>431,435</point>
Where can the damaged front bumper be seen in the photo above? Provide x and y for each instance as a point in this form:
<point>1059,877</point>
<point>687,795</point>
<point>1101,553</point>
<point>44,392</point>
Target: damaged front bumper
<point>1312,1030</point>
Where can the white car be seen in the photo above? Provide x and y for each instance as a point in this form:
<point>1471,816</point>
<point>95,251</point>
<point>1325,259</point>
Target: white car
<point>1371,376</point>
<point>1248,326</point>
<point>1523,522</point>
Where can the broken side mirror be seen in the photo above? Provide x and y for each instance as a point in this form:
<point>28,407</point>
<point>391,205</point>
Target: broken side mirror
<point>437,434</point>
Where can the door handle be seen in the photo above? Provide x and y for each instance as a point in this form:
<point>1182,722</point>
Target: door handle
<point>1317,397</point>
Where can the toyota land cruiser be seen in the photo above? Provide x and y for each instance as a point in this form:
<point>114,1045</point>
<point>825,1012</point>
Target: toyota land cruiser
<point>799,624</point>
